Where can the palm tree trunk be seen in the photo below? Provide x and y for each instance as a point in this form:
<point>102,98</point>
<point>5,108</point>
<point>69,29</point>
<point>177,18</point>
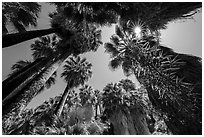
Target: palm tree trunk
<point>12,39</point>
<point>96,109</point>
<point>62,101</point>
<point>23,76</point>
<point>19,101</point>
<point>22,130</point>
<point>16,83</point>
<point>129,122</point>
<point>14,86</point>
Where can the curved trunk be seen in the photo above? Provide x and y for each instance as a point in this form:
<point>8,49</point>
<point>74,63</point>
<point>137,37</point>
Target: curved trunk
<point>22,77</point>
<point>20,101</point>
<point>12,39</point>
<point>62,101</point>
<point>129,122</point>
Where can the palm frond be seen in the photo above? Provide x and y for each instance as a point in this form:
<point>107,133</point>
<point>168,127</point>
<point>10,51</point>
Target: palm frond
<point>119,32</point>
<point>115,63</point>
<point>115,39</point>
<point>127,67</point>
<point>111,49</point>
<point>51,81</point>
<point>21,14</point>
<point>77,70</point>
<point>18,66</point>
<point>44,47</point>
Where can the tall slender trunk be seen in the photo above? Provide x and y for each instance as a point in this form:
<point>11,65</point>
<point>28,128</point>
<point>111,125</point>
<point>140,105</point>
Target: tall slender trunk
<point>16,83</point>
<point>62,101</point>
<point>14,86</point>
<point>22,77</point>
<point>12,39</point>
<point>96,109</point>
<point>20,101</point>
<point>21,71</point>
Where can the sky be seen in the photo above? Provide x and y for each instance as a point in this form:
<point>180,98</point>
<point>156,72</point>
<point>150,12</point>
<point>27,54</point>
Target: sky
<point>181,36</point>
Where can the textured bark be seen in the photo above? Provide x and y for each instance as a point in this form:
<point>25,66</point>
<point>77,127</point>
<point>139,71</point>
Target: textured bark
<point>178,122</point>
<point>62,101</point>
<point>22,77</point>
<point>22,130</point>
<point>12,39</point>
<point>25,96</point>
<point>129,122</point>
<point>14,86</point>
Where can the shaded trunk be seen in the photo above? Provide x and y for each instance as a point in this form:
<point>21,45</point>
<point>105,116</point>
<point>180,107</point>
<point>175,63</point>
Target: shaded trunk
<point>129,122</point>
<point>12,39</point>
<point>15,85</point>
<point>96,109</point>
<point>22,77</point>
<point>20,101</point>
<point>180,123</point>
<point>22,130</point>
<point>62,101</point>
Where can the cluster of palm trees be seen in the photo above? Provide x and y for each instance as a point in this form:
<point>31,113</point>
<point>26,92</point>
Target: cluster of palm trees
<point>164,75</point>
<point>87,112</point>
<point>172,80</point>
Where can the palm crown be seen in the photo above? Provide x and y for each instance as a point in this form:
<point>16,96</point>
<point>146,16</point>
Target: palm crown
<point>77,71</point>
<point>20,14</point>
<point>45,46</point>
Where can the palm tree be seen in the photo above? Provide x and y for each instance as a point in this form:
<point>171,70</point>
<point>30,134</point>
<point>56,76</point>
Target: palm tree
<point>22,75</point>
<point>156,15</point>
<point>107,13</point>
<point>64,51</point>
<point>52,63</point>
<point>124,109</point>
<point>87,95</point>
<point>20,14</point>
<point>62,125</point>
<point>163,73</point>
<point>76,72</point>
<point>87,101</point>
<point>17,124</point>
<point>21,64</point>
<point>59,21</point>
<point>30,119</point>
<point>127,85</point>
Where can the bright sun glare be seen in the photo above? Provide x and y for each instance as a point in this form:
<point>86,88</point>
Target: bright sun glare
<point>137,31</point>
